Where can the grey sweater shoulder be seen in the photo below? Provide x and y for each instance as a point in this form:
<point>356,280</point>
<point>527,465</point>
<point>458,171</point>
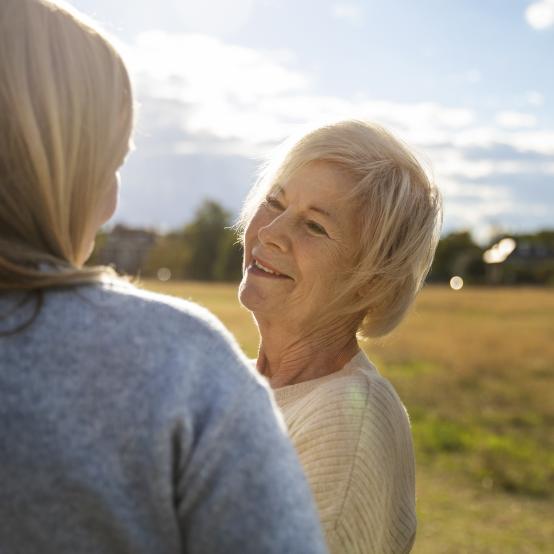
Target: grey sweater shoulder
<point>131,423</point>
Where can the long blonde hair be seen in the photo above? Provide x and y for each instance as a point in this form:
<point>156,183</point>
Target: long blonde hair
<point>66,117</point>
<point>399,215</point>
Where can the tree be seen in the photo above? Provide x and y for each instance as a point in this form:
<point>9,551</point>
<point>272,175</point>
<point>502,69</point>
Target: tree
<point>204,236</point>
<point>457,254</point>
<point>170,252</point>
<point>228,266</point>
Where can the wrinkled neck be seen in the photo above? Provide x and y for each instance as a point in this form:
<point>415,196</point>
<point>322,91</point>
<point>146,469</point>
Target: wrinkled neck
<point>288,355</point>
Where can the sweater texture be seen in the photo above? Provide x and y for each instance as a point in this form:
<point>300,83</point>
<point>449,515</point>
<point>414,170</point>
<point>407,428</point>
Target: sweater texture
<point>353,437</point>
<point>131,423</point>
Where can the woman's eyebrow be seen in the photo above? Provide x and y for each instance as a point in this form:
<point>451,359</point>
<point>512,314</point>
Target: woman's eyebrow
<point>280,191</point>
<point>321,211</point>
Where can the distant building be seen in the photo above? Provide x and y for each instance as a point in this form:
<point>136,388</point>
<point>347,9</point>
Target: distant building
<point>531,261</point>
<point>531,252</point>
<point>127,248</point>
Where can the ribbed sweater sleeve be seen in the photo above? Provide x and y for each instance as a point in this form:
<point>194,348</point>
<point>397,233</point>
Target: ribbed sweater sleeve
<point>353,438</point>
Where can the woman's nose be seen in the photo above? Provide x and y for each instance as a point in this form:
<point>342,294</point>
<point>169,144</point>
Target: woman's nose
<point>276,234</point>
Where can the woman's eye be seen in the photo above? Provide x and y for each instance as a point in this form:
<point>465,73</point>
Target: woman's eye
<point>273,203</point>
<point>316,228</point>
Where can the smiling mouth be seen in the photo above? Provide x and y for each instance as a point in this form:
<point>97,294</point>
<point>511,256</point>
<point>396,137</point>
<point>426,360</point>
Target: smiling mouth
<point>259,269</point>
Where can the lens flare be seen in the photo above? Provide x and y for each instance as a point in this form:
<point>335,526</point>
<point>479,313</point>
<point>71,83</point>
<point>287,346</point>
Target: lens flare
<point>456,283</point>
<point>164,274</point>
<point>497,253</point>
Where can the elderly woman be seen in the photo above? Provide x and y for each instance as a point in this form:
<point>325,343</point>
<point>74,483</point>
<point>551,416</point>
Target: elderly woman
<point>124,426</point>
<point>339,233</point>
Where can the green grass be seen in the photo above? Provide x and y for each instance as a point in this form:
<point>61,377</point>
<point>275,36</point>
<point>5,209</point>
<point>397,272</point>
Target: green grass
<point>475,369</point>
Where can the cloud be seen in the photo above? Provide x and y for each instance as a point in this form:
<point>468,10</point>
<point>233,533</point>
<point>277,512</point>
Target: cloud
<point>187,66</point>
<point>504,152</point>
<point>211,109</point>
<point>350,12</point>
<point>516,120</point>
<point>455,163</point>
<point>539,142</point>
<point>237,93</point>
<point>217,88</point>
<point>540,15</point>
<point>476,207</point>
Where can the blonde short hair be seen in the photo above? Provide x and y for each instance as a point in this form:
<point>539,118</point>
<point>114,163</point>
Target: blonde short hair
<point>398,208</point>
<point>66,117</point>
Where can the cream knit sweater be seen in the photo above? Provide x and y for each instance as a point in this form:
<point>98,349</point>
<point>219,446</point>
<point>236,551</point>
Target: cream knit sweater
<point>353,437</point>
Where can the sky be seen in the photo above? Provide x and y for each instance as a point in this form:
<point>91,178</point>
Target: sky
<point>469,84</point>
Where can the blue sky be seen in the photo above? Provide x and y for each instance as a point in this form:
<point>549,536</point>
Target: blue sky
<point>468,83</point>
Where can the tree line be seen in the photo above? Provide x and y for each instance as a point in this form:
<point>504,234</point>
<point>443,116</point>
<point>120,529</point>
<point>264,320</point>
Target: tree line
<point>207,249</point>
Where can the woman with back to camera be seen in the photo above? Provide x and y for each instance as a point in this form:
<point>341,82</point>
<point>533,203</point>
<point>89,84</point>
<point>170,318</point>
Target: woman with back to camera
<point>338,234</point>
<point>130,422</point>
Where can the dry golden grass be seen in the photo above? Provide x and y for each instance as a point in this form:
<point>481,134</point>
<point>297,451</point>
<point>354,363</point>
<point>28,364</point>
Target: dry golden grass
<point>475,369</point>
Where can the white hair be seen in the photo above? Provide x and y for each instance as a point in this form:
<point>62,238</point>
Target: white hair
<point>399,211</point>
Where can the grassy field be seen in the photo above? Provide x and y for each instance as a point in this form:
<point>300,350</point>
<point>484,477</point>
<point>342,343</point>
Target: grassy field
<point>475,369</point>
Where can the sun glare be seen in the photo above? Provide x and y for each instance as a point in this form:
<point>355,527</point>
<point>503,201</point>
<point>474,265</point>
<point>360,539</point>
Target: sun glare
<point>456,283</point>
<point>164,274</point>
<point>497,253</point>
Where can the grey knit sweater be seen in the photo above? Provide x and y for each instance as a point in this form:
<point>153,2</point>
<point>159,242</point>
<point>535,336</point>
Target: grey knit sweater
<point>129,423</point>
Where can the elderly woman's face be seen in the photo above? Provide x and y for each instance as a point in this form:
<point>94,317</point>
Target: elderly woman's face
<point>297,243</point>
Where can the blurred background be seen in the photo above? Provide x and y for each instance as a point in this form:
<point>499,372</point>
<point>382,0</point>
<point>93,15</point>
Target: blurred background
<point>470,85</point>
